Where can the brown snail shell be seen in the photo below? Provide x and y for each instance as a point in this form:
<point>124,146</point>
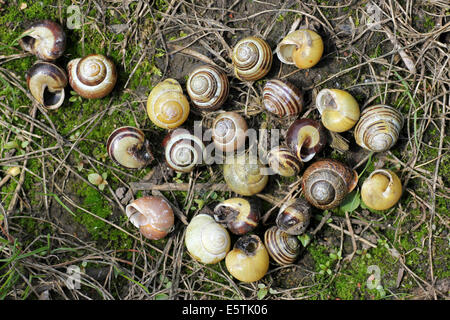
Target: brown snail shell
<point>240,215</point>
<point>45,39</point>
<point>229,131</point>
<point>294,216</point>
<point>46,82</point>
<point>252,58</point>
<point>306,137</point>
<point>283,248</point>
<point>283,162</point>
<point>282,98</point>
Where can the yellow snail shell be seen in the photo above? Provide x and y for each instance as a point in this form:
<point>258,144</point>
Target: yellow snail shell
<point>381,190</point>
<point>339,110</point>
<point>229,131</point>
<point>167,106</point>
<point>252,58</point>
<point>282,98</point>
<point>283,248</point>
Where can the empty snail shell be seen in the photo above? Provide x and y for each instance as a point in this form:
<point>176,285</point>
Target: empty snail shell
<point>326,182</point>
<point>208,87</point>
<point>240,215</point>
<point>45,39</point>
<point>93,76</point>
<point>128,147</point>
<point>229,131</point>
<point>252,58</point>
<point>153,216</point>
<point>282,98</point>
<point>245,175</point>
<point>167,106</point>
<point>339,110</point>
<point>283,248</point>
<point>183,150</point>
<point>283,162</point>
<point>46,82</point>
<point>381,190</point>
<point>207,241</point>
<point>303,48</point>
<point>294,216</point>
<point>378,128</point>
<point>306,137</point>
<point>249,260</point>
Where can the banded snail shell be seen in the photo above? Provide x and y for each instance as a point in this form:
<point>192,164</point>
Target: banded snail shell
<point>282,98</point>
<point>229,131</point>
<point>283,248</point>
<point>294,216</point>
<point>252,58</point>
<point>283,162</point>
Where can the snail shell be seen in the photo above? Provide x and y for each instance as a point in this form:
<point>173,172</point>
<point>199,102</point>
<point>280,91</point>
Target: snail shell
<point>240,215</point>
<point>229,131</point>
<point>153,216</point>
<point>249,260</point>
<point>46,82</point>
<point>381,190</point>
<point>306,137</point>
<point>183,150</point>
<point>244,175</point>
<point>283,161</point>
<point>283,248</point>
<point>167,106</point>
<point>45,39</point>
<point>378,128</point>
<point>128,147</point>
<point>206,240</point>
<point>208,87</point>
<point>339,110</point>
<point>294,216</point>
<point>282,98</point>
<point>252,58</point>
<point>326,182</point>
<point>93,76</point>
<point>304,48</point>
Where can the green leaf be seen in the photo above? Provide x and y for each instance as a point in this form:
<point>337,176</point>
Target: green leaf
<point>11,145</point>
<point>305,239</point>
<point>351,202</point>
<point>73,98</point>
<point>104,175</point>
<point>161,296</point>
<point>262,293</point>
<point>333,256</point>
<point>24,144</point>
<point>95,178</point>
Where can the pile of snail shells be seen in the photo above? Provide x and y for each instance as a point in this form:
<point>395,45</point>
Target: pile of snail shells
<point>92,77</point>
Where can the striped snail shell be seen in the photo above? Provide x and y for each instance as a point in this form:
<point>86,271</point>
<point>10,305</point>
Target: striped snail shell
<point>283,162</point>
<point>306,137</point>
<point>326,182</point>
<point>282,98</point>
<point>229,131</point>
<point>283,248</point>
<point>45,39</point>
<point>183,150</point>
<point>206,240</point>
<point>240,215</point>
<point>252,58</point>
<point>339,110</point>
<point>128,147</point>
<point>167,106</point>
<point>208,87</point>
<point>381,190</point>
<point>294,216</point>
<point>93,76</point>
<point>46,82</point>
<point>378,128</point>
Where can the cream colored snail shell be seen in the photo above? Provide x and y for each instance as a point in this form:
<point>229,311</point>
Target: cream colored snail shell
<point>152,215</point>
<point>167,106</point>
<point>208,87</point>
<point>282,98</point>
<point>283,162</point>
<point>207,241</point>
<point>239,215</point>
<point>338,108</point>
<point>306,137</point>
<point>249,259</point>
<point>283,248</point>
<point>378,128</point>
<point>294,216</point>
<point>45,39</point>
<point>229,131</point>
<point>326,182</point>
<point>128,147</point>
<point>92,77</point>
<point>46,82</point>
<point>381,190</point>
<point>183,150</point>
<point>252,58</point>
<point>245,175</point>
<point>304,48</point>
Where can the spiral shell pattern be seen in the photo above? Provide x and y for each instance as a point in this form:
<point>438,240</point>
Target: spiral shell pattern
<point>283,162</point>
<point>252,58</point>
<point>208,87</point>
<point>381,190</point>
<point>306,137</point>
<point>378,128</point>
<point>229,131</point>
<point>283,248</point>
<point>240,215</point>
<point>282,98</point>
<point>294,216</point>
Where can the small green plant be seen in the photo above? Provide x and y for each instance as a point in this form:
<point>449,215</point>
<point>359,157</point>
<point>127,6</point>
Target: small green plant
<point>98,180</point>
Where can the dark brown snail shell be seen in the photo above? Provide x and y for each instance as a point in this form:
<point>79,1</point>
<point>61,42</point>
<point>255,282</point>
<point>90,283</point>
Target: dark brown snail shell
<point>283,162</point>
<point>294,216</point>
<point>306,137</point>
<point>240,215</point>
<point>282,98</point>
